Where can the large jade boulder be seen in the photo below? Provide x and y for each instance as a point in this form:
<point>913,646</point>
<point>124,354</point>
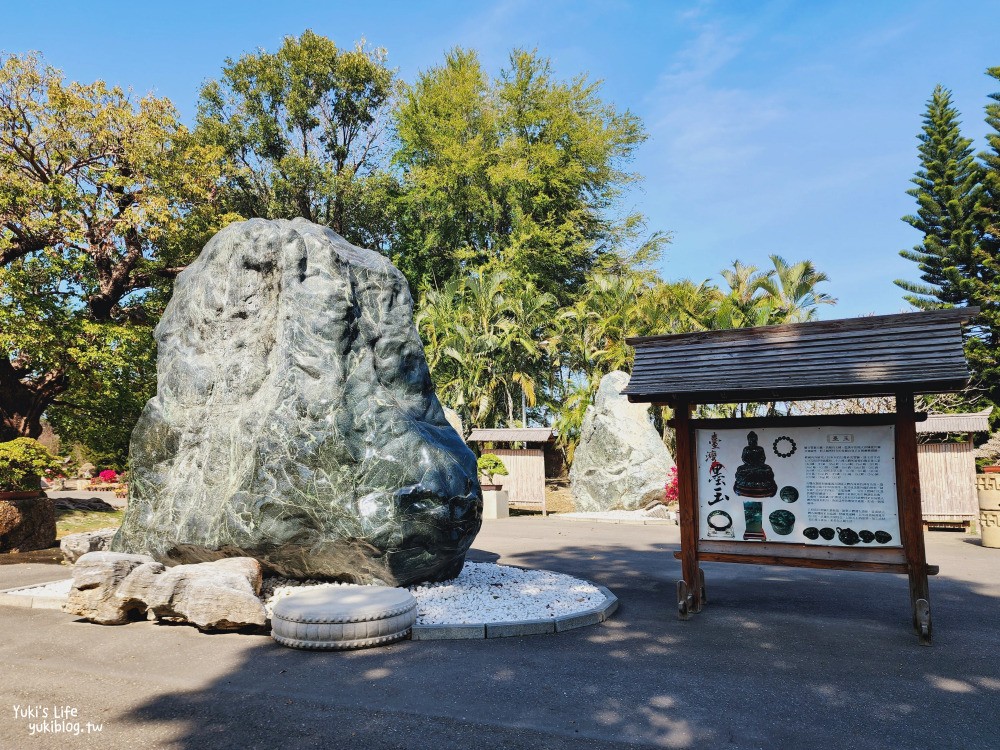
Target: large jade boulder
<point>295,420</point>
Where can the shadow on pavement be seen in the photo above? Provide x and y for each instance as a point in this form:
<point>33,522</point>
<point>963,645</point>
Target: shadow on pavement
<point>779,658</point>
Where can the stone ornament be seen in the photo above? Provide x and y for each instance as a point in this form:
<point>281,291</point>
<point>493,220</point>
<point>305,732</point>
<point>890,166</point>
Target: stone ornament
<point>782,521</point>
<point>26,523</point>
<point>96,578</point>
<point>295,420</point>
<point>340,618</point>
<point>988,490</point>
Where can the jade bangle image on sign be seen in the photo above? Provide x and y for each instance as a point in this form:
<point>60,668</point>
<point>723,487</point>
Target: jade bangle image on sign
<point>719,520</point>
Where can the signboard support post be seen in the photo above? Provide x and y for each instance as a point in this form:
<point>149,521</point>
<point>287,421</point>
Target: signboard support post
<point>910,520</point>
<point>689,589</point>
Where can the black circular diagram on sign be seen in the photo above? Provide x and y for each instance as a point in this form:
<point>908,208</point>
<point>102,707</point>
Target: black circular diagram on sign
<point>786,443</point>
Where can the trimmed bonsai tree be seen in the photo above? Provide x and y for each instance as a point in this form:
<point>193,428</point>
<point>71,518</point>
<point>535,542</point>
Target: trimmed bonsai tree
<point>23,462</point>
<point>490,465</point>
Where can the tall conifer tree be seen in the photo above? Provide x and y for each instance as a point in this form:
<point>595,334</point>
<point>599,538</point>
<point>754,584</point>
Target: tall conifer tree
<point>947,189</point>
<point>983,345</point>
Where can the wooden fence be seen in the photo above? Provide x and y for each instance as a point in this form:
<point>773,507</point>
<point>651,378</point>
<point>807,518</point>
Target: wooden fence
<point>948,483</point>
<point>525,481</point>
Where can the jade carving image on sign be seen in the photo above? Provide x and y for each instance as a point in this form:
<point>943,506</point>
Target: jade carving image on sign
<point>832,486</point>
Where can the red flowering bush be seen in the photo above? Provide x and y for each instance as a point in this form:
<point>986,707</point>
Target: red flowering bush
<point>108,476</point>
<point>670,490</point>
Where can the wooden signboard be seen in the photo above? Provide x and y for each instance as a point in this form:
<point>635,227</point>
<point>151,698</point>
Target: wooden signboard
<point>828,492</point>
<point>835,492</point>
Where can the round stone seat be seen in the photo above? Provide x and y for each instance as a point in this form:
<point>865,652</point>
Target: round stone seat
<point>343,617</point>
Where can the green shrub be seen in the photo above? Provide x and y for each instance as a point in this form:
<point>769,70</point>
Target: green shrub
<point>490,466</point>
<point>22,462</point>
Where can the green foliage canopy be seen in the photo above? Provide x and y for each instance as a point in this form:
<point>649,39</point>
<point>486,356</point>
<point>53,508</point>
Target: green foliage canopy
<point>304,129</point>
<point>491,465</point>
<point>947,190</point>
<point>22,462</point>
<point>102,201</point>
<point>523,171</point>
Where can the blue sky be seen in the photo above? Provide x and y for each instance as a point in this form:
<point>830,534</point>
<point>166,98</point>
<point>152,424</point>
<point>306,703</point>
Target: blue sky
<point>775,127</point>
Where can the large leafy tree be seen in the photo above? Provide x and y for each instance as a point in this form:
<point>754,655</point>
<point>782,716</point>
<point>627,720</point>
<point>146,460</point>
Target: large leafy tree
<point>102,201</point>
<point>947,190</point>
<point>305,128</point>
<point>785,293</point>
<point>523,170</point>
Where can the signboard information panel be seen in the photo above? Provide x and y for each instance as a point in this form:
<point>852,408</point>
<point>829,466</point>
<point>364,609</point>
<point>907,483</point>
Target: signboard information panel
<point>832,486</point>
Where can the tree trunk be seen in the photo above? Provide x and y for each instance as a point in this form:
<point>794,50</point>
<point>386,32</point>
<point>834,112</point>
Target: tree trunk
<point>23,402</point>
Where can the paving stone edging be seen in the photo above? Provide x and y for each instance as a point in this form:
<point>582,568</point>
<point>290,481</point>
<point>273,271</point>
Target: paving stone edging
<point>621,521</point>
<point>9,599</point>
<point>475,631</point>
<point>443,632</point>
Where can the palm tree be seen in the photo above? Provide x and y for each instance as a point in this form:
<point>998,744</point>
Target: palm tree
<point>485,339</point>
<point>747,303</point>
<point>793,287</point>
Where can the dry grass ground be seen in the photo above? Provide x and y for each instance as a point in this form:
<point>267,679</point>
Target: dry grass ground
<point>557,496</point>
<point>75,521</point>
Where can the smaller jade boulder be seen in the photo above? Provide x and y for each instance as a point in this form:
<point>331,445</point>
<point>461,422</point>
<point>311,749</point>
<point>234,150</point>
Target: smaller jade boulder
<point>621,462</point>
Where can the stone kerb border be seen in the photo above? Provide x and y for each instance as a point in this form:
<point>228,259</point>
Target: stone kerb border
<point>438,632</point>
<point>620,521</point>
<point>9,599</point>
<point>460,631</point>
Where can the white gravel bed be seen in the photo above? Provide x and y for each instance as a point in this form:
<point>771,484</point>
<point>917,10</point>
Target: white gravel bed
<point>54,589</point>
<point>482,593</point>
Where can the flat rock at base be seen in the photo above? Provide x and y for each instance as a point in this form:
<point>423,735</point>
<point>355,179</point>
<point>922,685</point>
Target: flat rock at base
<point>74,546</point>
<point>27,524</point>
<point>220,595</point>
<point>110,588</point>
<point>295,420</point>
<point>620,461</point>
<point>96,578</point>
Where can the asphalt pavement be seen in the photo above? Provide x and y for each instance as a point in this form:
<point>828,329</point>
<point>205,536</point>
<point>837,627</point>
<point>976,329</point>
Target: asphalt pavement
<point>779,658</point>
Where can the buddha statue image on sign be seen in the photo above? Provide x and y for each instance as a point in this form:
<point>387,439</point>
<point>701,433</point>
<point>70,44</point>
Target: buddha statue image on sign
<point>754,478</point>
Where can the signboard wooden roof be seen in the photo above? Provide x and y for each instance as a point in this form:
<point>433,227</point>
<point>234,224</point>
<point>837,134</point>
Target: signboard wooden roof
<point>874,356</point>
<point>511,435</point>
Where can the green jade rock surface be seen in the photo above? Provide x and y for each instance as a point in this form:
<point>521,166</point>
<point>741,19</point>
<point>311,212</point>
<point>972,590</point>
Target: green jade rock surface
<point>295,420</point>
